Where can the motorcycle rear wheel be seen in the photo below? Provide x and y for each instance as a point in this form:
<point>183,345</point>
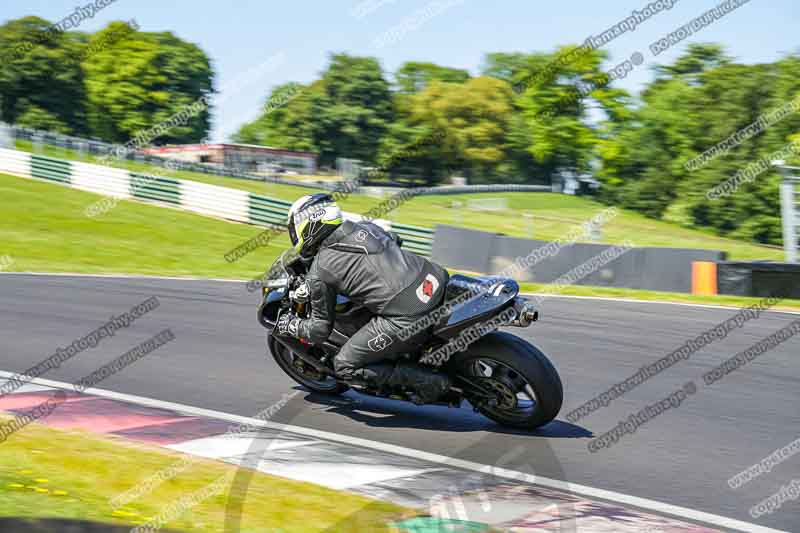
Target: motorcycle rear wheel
<point>527,386</point>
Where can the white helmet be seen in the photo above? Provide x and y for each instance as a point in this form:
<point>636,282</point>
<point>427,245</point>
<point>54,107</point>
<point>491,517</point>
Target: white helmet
<point>311,219</point>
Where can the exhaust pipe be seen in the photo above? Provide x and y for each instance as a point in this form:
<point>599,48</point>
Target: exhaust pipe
<point>526,314</point>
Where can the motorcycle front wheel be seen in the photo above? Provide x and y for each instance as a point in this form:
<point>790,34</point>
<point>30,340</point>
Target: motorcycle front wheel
<point>301,372</point>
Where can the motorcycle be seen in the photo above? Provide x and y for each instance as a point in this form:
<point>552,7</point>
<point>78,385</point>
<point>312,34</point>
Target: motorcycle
<point>502,376</point>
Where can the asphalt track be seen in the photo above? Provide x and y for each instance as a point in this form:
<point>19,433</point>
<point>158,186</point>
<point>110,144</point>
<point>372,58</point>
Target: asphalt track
<point>683,457</point>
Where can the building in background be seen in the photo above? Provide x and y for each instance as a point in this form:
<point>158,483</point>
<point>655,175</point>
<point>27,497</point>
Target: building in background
<point>245,157</point>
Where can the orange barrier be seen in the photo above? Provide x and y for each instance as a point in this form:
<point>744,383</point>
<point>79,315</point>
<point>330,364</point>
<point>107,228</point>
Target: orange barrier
<point>704,278</point>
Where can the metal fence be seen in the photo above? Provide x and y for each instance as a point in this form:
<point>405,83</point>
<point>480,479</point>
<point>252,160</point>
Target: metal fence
<point>472,189</point>
<point>100,148</point>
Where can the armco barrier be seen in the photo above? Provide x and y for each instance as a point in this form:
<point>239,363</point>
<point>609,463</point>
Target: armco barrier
<point>215,201</point>
<point>473,189</point>
<point>101,180</point>
<point>160,189</point>
<point>449,248</point>
<point>202,198</point>
<point>51,169</point>
<point>268,211</point>
<point>416,239</point>
<point>657,269</point>
<point>759,279</point>
<point>15,163</point>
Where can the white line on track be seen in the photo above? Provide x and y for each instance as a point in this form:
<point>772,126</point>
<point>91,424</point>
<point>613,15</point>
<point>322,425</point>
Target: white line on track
<point>583,490</point>
<point>226,280</point>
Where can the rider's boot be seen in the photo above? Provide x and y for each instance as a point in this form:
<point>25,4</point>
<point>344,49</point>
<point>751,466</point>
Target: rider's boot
<point>427,385</point>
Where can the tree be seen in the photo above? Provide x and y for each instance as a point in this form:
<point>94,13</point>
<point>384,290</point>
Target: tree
<point>509,67</point>
<point>470,121</point>
<point>698,59</point>
<point>286,120</point>
<point>643,162</point>
<point>414,76</point>
<point>551,131</point>
<point>360,110</point>
<point>733,97</point>
<point>692,106</point>
<point>141,81</point>
<point>344,114</point>
<point>39,119</point>
<point>41,83</point>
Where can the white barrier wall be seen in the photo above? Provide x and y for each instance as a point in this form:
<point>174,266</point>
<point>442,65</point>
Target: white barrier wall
<point>202,198</point>
<point>215,201</point>
<point>15,162</point>
<point>101,180</point>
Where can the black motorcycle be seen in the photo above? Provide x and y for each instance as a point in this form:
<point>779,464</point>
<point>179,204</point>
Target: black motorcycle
<point>505,378</point>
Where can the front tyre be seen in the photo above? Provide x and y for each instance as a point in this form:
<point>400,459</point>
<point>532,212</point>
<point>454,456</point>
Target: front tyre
<point>302,373</point>
<point>527,391</point>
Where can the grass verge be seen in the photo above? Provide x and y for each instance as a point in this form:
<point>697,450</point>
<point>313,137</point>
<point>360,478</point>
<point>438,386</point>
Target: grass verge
<point>137,238</point>
<point>48,473</point>
<point>43,229</point>
<point>553,215</point>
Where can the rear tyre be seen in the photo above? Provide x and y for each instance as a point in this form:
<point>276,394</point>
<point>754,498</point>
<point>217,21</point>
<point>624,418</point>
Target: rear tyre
<point>299,371</point>
<point>527,387</point>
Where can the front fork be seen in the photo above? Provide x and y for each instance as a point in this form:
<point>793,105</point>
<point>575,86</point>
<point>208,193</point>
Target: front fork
<point>301,351</point>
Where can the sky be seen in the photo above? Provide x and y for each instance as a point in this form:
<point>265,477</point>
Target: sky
<point>255,45</point>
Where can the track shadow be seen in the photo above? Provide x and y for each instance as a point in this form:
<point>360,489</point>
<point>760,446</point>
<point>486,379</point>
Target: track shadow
<point>385,413</point>
<point>56,525</point>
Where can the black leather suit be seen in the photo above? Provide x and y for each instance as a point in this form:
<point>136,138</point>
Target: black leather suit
<point>366,264</point>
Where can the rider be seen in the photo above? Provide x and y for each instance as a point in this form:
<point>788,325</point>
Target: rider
<point>365,263</point>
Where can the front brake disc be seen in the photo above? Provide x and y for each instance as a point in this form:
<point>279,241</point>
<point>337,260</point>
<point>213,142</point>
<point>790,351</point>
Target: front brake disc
<point>307,370</point>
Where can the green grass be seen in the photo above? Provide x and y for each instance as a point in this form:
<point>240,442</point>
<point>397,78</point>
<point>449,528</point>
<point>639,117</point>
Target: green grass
<point>136,238</point>
<point>553,214</point>
<point>44,229</point>
<point>48,473</point>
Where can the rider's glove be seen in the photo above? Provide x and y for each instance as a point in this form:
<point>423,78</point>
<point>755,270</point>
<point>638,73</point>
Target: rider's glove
<point>288,325</point>
<point>301,293</point>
